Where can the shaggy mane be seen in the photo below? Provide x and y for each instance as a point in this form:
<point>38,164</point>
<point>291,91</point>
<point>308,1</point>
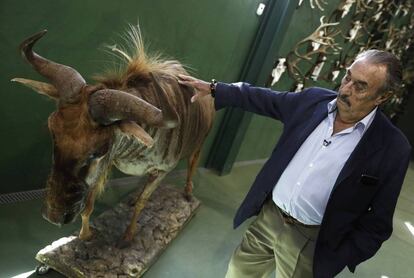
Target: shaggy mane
<point>135,63</point>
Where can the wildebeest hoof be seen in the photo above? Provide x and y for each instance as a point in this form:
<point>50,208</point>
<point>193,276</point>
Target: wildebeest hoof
<point>188,196</point>
<point>122,244</point>
<point>86,236</point>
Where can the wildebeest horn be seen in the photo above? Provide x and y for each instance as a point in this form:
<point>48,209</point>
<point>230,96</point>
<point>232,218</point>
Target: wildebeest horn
<point>67,80</point>
<point>107,106</point>
<point>40,87</point>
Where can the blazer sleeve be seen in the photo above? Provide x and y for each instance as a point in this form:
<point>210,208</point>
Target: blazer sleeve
<point>262,101</point>
<point>375,225</point>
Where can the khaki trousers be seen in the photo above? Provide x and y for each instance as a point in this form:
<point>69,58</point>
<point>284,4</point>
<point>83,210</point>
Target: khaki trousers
<point>271,244</point>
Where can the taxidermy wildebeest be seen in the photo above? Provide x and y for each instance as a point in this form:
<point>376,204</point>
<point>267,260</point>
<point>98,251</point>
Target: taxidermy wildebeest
<point>138,119</point>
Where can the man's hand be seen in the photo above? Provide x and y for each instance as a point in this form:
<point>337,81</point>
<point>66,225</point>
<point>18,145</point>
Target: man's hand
<point>202,87</point>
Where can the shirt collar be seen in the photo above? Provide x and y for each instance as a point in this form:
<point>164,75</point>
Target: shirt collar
<point>363,123</point>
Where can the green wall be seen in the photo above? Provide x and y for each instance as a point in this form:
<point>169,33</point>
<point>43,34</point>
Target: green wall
<point>212,37</point>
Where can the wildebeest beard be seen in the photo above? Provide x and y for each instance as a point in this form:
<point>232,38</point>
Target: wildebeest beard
<point>65,197</point>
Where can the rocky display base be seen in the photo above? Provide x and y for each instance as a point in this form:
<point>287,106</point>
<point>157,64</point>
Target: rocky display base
<point>164,216</point>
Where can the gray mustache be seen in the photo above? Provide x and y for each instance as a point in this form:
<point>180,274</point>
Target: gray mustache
<point>344,99</point>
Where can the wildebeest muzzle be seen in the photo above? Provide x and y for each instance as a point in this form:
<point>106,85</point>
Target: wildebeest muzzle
<point>65,208</point>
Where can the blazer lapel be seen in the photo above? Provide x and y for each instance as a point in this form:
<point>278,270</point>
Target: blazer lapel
<point>319,114</point>
<point>370,142</point>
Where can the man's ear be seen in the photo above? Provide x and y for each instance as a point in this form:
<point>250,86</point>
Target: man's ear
<point>383,98</point>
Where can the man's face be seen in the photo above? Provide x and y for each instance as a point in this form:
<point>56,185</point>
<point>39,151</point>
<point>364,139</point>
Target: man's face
<point>358,93</point>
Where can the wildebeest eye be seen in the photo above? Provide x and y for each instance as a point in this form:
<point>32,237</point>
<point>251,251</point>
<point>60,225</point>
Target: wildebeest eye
<point>84,167</point>
<point>84,170</point>
<point>93,156</point>
<point>97,154</point>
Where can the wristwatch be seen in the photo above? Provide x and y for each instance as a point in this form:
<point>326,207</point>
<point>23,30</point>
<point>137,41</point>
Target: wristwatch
<point>213,86</point>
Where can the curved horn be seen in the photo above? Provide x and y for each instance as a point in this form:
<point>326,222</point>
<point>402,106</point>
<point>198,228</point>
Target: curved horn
<point>107,106</point>
<point>40,87</point>
<point>67,80</point>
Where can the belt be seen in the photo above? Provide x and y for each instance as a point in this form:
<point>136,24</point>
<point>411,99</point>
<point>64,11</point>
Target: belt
<point>290,220</point>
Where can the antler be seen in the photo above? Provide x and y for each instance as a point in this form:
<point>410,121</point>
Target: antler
<point>312,4</point>
<point>345,7</point>
<point>322,40</point>
<point>317,4</point>
<point>293,68</point>
<point>354,32</point>
<point>361,5</point>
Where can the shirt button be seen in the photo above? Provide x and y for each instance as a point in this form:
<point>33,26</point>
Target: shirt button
<point>311,165</point>
<point>298,183</point>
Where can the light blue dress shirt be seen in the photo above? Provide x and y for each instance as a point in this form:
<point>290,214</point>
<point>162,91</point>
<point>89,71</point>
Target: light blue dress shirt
<point>304,188</point>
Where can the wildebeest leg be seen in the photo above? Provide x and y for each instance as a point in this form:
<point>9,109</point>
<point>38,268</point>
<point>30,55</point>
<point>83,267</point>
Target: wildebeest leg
<point>192,165</point>
<point>153,181</point>
<point>85,232</point>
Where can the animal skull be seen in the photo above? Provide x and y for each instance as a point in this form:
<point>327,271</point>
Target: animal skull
<point>278,70</point>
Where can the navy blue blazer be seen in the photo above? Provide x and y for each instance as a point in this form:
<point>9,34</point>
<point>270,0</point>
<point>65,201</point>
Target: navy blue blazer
<point>358,216</point>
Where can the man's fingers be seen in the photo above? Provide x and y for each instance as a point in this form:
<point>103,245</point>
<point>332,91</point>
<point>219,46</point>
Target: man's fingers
<point>196,96</point>
<point>184,77</point>
<point>202,88</point>
<point>186,80</point>
<point>185,83</point>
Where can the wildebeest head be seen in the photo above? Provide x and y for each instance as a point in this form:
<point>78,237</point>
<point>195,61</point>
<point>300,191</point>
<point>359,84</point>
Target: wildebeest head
<point>82,130</point>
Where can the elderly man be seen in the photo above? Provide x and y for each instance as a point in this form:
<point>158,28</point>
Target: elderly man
<point>325,199</point>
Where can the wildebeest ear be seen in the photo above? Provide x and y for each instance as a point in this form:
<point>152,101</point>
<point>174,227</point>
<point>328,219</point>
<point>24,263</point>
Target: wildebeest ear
<point>132,129</point>
<point>40,87</point>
